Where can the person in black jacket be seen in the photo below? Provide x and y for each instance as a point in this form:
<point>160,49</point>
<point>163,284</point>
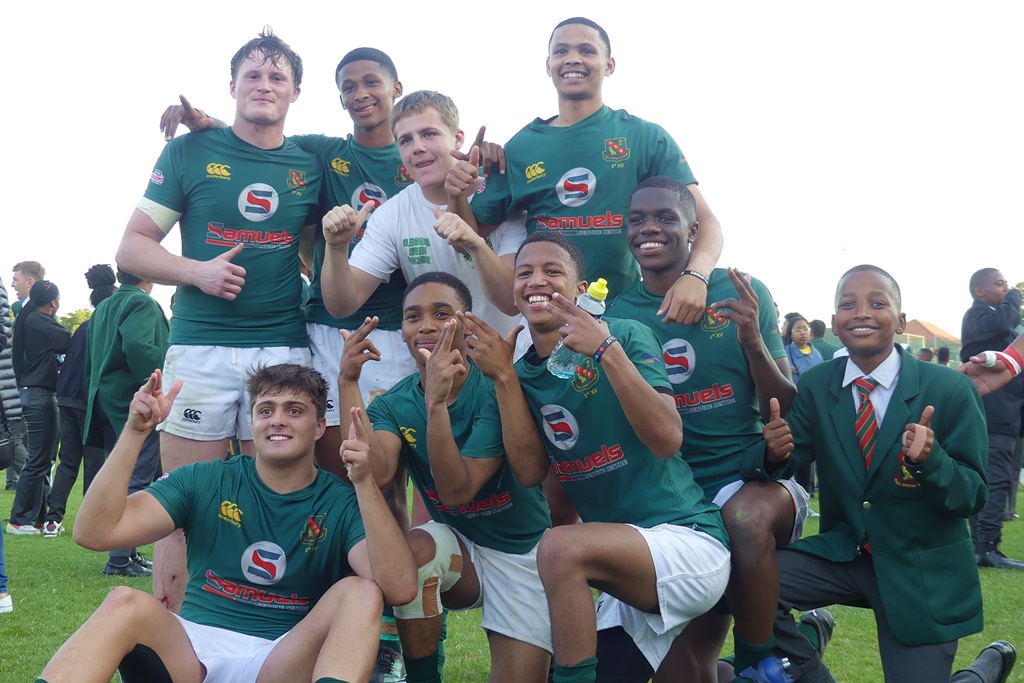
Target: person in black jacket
<point>38,340</point>
<point>72,387</point>
<point>990,324</point>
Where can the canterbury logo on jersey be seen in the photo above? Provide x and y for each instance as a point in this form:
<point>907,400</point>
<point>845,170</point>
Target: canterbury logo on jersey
<point>534,172</point>
<point>222,171</point>
<point>192,415</point>
<point>230,513</point>
<point>340,166</point>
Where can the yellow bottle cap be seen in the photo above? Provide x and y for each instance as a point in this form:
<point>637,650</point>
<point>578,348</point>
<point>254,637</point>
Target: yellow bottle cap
<point>598,290</point>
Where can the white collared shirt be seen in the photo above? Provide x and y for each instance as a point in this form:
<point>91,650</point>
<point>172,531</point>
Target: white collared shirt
<point>886,374</point>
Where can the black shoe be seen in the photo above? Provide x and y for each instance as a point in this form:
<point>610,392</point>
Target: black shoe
<point>823,623</point>
<point>994,663</point>
<point>129,568</point>
<point>140,559</point>
<point>995,558</point>
<point>11,487</point>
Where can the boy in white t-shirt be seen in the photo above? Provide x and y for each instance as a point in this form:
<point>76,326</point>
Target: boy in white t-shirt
<point>413,233</point>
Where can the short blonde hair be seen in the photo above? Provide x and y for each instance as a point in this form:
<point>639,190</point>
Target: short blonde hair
<point>416,102</point>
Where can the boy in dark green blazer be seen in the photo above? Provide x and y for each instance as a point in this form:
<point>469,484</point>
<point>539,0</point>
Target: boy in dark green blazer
<point>899,475</point>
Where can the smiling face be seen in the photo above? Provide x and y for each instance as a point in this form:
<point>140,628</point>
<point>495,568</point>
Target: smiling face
<point>427,308</point>
<point>659,234</point>
<point>263,90</point>
<point>368,93</point>
<point>578,62</point>
<point>867,317</point>
<point>285,426</point>
<point>425,144</point>
<point>543,268</point>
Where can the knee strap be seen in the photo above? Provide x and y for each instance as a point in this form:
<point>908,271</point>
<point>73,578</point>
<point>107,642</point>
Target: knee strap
<point>436,576</point>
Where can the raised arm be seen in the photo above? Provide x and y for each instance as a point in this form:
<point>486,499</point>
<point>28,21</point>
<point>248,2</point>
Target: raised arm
<point>193,118</point>
<point>652,415</point>
<point>385,447</point>
<point>344,288</point>
<point>524,448</point>
<point>141,254</point>
<point>458,478</point>
<point>769,375</point>
<point>384,555</point>
<point>110,518</point>
<point>687,298</point>
<point>495,271</point>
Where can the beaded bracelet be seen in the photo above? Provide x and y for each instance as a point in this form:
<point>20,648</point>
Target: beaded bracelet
<point>603,347</point>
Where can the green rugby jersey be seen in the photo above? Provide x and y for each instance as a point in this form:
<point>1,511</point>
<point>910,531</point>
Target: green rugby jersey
<point>230,192</point>
<point>607,471</point>
<point>355,175</point>
<point>710,378</point>
<point>258,561</point>
<point>577,180</point>
<point>503,515</point>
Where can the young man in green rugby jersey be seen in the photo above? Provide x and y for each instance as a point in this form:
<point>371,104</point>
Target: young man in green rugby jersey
<point>442,425</point>
<point>242,196</point>
<point>724,369</point>
<point>288,568</point>
<point>649,541</point>
<point>573,173</point>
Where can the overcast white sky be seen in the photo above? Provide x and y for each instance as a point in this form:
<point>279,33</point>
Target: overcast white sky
<point>823,134</point>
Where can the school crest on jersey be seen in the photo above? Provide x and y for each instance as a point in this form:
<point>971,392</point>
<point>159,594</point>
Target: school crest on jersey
<point>713,320</point>
<point>615,149</point>
<point>403,178</point>
<point>296,181</point>
<point>314,531</point>
<point>585,376</point>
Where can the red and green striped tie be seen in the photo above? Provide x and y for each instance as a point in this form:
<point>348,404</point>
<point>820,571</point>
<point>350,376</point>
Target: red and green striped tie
<point>866,426</point>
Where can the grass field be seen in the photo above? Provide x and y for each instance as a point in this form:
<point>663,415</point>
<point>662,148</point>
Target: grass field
<point>56,585</point>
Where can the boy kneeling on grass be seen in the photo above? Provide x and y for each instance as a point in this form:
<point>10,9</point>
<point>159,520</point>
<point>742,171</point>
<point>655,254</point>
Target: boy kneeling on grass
<point>900,448</point>
<point>272,543</point>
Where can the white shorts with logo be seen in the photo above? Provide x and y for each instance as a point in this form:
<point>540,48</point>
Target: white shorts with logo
<point>511,594</point>
<point>396,363</point>
<point>229,657</point>
<point>796,492</point>
<point>214,403</point>
<point>692,571</point>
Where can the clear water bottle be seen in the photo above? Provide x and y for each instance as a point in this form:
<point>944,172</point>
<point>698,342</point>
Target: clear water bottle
<point>563,361</point>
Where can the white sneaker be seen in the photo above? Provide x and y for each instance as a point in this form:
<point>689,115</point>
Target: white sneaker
<point>21,529</point>
<point>6,604</point>
<point>52,529</point>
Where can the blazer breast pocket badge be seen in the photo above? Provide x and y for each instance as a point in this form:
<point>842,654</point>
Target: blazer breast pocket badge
<point>904,479</point>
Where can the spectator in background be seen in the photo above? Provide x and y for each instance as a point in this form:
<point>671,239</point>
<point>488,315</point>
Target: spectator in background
<point>127,342</point>
<point>802,357</point>
<point>797,338</point>
<point>9,393</point>
<point>71,389</point>
<point>942,355</point>
<point>9,404</point>
<point>26,274</point>
<point>925,355</point>
<point>826,349</point>
<point>38,340</point>
<point>989,324</point>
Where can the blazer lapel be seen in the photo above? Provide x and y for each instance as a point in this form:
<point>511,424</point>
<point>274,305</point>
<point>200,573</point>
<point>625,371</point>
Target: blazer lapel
<point>843,417</point>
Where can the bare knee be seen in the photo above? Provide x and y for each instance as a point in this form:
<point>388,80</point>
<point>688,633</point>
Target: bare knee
<point>559,553</point>
<point>127,605</point>
<point>760,514</point>
<point>354,592</point>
